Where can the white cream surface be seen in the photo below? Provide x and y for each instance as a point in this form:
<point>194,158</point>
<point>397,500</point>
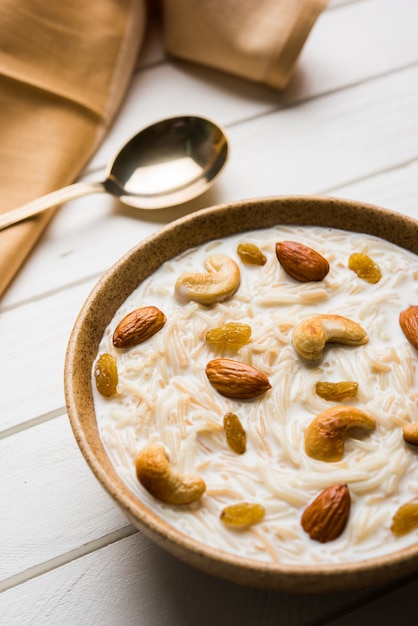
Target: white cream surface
<point>164,396</point>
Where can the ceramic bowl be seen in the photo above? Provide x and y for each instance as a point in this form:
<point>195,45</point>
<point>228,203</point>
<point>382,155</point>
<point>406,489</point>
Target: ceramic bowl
<point>112,290</point>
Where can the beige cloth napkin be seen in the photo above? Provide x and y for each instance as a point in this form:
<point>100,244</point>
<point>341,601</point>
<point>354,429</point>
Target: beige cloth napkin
<point>257,39</point>
<point>65,68</point>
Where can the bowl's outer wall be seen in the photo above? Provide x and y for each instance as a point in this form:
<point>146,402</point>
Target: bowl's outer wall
<point>110,293</point>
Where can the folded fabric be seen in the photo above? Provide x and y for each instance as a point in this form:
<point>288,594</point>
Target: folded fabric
<point>260,40</point>
<point>66,66</point>
<point>64,70</point>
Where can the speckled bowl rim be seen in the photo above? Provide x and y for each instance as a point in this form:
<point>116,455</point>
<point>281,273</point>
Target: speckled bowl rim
<point>113,289</point>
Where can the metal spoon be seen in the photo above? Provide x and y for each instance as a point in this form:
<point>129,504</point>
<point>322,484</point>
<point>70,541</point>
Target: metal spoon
<point>165,164</point>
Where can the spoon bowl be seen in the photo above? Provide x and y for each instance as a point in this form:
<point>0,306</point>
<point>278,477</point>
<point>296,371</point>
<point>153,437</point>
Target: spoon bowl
<point>165,164</point>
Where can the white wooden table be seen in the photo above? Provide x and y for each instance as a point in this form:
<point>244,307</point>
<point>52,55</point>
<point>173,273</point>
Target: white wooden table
<point>346,126</point>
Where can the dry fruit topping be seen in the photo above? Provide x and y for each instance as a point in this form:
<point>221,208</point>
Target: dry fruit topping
<point>221,280</point>
<point>364,267</point>
<point>234,379</point>
<point>405,518</point>
<point>410,433</point>
<point>301,262</point>
<point>336,391</point>
<point>312,334</point>
<point>250,253</point>
<point>106,375</point>
<point>235,433</point>
<point>242,514</point>
<point>160,480</point>
<point>230,334</point>
<point>326,517</point>
<point>408,321</point>
<point>325,435</point>
<point>138,326</point>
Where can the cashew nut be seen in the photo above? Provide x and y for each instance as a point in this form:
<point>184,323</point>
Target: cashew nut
<point>325,435</point>
<point>221,280</point>
<point>154,473</point>
<point>311,335</point>
<point>410,433</point>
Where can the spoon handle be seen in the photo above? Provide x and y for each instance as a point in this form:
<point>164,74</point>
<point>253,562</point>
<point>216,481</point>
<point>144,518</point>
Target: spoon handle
<point>46,202</point>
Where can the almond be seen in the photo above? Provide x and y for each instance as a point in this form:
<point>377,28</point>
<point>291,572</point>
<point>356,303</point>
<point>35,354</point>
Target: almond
<point>326,517</point>
<point>301,262</point>
<point>138,326</point>
<point>408,321</point>
<point>234,379</point>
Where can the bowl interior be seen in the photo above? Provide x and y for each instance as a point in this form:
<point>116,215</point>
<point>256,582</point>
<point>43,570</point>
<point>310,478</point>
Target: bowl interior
<point>113,289</point>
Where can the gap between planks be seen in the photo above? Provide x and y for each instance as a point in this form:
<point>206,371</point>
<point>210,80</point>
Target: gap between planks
<point>63,559</point>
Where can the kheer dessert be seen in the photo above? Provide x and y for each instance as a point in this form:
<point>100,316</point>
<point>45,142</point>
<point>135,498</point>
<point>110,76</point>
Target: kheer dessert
<point>314,381</point>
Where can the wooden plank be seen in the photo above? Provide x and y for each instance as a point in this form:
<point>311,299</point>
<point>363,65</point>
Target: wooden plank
<point>396,189</point>
<point>40,331</point>
<point>52,495</point>
<point>135,582</point>
<point>396,604</point>
<point>313,152</point>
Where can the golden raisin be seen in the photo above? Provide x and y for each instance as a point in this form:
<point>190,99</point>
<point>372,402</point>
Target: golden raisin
<point>242,514</point>
<point>235,433</point>
<point>229,334</point>
<point>106,375</point>
<point>336,391</point>
<point>364,267</point>
<point>250,253</point>
<point>405,518</point>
